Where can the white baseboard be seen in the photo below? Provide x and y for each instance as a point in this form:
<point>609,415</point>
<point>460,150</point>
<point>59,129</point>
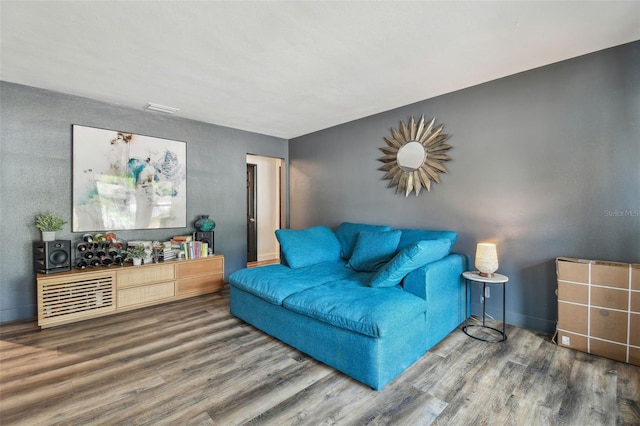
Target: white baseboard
<point>268,256</point>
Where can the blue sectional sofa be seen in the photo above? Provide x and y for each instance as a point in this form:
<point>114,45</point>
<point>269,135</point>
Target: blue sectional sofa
<point>366,300</point>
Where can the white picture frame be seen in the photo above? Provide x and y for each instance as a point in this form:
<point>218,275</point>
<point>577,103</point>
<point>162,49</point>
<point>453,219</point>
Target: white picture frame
<point>126,181</point>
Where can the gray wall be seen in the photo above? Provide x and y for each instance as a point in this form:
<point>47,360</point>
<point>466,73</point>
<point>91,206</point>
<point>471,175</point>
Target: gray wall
<point>36,150</point>
<point>545,163</point>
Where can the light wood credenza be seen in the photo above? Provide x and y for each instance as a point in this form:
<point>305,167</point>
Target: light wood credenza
<point>82,294</point>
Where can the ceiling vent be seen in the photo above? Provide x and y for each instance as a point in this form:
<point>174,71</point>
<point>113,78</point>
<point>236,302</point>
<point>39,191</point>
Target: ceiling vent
<point>160,108</point>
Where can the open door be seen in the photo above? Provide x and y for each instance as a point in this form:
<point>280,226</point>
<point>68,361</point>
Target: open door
<point>252,226</point>
<point>265,198</point>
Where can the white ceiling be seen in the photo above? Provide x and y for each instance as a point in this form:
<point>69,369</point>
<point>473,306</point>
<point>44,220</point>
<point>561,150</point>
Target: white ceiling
<point>290,68</point>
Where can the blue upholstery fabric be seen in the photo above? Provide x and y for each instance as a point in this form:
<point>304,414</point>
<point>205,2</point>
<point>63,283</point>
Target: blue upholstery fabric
<point>372,361</point>
<point>409,259</point>
<point>274,283</point>
<point>353,305</point>
<point>347,233</point>
<point>444,293</point>
<point>304,247</point>
<point>373,249</point>
<point>411,236</point>
<point>329,311</point>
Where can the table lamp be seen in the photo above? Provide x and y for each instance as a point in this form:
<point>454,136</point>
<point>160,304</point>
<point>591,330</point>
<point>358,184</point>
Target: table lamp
<point>486,259</point>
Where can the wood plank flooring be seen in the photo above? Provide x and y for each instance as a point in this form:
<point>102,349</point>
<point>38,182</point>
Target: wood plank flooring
<point>191,363</point>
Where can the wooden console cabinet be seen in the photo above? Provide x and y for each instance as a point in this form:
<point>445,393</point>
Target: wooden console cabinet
<point>77,295</point>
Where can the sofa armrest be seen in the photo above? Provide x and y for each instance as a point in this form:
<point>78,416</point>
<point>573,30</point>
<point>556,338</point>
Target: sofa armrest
<point>443,288</point>
<point>436,275</point>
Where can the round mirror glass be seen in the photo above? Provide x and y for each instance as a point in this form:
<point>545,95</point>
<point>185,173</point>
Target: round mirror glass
<point>411,156</point>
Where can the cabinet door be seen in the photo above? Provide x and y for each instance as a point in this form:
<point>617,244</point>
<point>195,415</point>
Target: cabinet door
<point>140,275</point>
<point>199,267</point>
<point>200,276</point>
<point>200,285</point>
<point>150,294</point>
<point>74,297</point>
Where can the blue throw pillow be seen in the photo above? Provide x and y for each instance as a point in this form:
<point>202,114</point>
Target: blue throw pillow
<point>409,259</point>
<point>347,234</point>
<point>412,236</point>
<point>305,247</point>
<point>373,249</point>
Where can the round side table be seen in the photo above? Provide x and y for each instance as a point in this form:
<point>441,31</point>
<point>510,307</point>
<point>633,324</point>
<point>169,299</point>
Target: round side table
<point>474,276</point>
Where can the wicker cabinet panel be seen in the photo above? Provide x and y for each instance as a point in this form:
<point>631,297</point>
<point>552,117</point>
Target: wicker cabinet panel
<point>71,298</point>
<point>200,285</point>
<point>206,266</point>
<point>138,275</point>
<point>145,295</point>
<point>200,276</point>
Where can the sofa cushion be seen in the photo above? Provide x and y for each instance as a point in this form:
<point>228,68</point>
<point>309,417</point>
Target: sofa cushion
<point>411,236</point>
<point>274,283</point>
<point>353,305</point>
<point>347,234</point>
<point>373,249</point>
<point>304,247</point>
<point>408,259</point>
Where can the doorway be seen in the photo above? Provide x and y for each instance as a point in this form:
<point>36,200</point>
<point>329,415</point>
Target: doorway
<point>252,226</point>
<point>265,208</point>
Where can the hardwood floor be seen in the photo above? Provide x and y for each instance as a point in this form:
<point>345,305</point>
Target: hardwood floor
<point>191,362</point>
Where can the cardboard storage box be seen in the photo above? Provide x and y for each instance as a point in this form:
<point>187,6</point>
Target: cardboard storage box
<point>599,307</point>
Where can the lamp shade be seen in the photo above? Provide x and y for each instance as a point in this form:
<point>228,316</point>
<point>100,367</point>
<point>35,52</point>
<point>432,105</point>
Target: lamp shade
<point>486,259</point>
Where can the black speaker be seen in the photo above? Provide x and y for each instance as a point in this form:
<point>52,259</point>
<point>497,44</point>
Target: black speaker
<point>206,237</point>
<point>51,256</point>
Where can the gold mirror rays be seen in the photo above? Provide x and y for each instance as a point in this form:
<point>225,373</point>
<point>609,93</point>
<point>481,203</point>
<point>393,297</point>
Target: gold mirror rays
<point>402,162</point>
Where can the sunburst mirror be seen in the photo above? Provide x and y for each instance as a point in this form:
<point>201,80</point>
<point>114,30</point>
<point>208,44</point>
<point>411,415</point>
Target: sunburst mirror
<point>414,156</point>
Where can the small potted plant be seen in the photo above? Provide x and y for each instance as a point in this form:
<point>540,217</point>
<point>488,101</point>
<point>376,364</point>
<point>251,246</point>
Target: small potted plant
<point>49,223</point>
<point>136,253</point>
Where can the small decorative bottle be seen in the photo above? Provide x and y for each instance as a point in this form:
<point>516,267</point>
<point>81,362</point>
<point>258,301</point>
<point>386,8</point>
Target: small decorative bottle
<point>204,224</point>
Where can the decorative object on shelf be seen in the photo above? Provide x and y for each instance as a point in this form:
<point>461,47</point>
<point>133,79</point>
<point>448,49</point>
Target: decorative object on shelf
<point>99,250</point>
<point>48,223</point>
<point>148,249</point>
<point>162,251</point>
<point>204,224</point>
<point>149,175</point>
<point>414,156</point>
<point>136,253</point>
<point>486,259</point>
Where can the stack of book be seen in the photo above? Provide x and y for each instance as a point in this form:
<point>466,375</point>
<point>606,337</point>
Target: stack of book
<point>194,249</point>
<point>178,241</point>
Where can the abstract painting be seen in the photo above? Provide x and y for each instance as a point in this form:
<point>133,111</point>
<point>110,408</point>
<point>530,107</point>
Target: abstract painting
<point>124,181</point>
